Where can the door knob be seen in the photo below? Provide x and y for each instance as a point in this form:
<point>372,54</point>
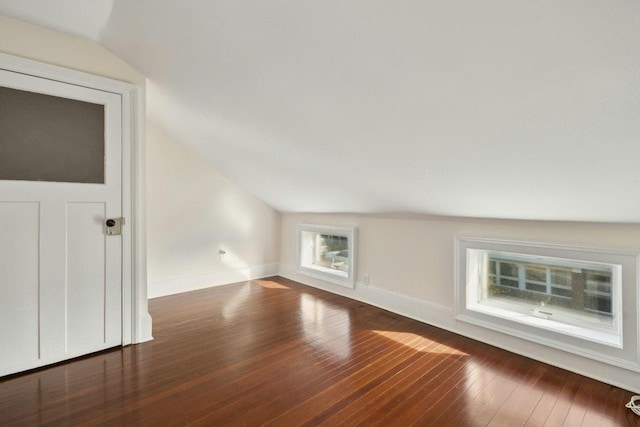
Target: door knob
<point>114,226</point>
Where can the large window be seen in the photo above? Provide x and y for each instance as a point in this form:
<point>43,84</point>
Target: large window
<point>327,252</point>
<point>583,300</point>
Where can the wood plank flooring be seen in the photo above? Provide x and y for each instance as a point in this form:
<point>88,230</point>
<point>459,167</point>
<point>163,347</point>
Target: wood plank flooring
<point>277,353</point>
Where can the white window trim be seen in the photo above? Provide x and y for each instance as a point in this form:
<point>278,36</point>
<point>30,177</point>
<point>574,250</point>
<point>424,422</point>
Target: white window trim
<point>564,336</point>
<point>346,280</point>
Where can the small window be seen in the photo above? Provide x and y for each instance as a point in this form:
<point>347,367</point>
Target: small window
<point>327,252</point>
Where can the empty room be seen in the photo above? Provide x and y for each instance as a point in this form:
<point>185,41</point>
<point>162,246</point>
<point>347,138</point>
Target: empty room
<point>336,213</point>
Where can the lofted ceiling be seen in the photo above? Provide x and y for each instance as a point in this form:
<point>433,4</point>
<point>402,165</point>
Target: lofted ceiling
<point>501,108</point>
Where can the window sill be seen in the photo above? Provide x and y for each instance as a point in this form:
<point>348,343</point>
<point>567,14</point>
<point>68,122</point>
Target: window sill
<point>612,338</point>
<point>327,274</point>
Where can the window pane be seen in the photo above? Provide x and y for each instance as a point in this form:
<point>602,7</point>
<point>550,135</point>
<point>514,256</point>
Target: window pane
<point>508,269</point>
<point>326,251</point>
<point>509,282</point>
<point>599,282</point>
<point>564,290</point>
<point>561,277</point>
<point>48,138</point>
<point>536,287</point>
<point>599,304</point>
<point>536,273</point>
<point>561,292</point>
<point>334,252</point>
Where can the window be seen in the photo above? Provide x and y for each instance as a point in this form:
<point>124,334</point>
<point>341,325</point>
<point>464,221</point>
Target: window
<point>576,297</point>
<point>566,289</point>
<point>566,297</point>
<point>327,252</point>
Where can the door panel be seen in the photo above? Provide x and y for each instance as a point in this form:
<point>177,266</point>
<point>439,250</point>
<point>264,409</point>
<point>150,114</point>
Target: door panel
<point>86,276</point>
<point>19,293</point>
<point>69,274</point>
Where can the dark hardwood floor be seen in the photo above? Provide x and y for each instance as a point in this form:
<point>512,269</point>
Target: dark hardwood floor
<point>274,352</point>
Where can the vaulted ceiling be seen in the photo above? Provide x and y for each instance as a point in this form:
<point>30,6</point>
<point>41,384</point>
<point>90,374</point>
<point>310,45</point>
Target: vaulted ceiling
<point>505,109</point>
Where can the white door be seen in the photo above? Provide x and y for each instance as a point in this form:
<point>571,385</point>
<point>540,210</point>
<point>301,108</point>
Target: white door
<point>60,274</point>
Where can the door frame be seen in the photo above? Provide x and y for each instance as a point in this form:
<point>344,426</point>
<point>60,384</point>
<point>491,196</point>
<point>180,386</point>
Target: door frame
<point>136,321</point>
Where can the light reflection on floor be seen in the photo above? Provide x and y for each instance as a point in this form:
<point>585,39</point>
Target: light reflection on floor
<point>270,284</point>
<point>326,327</point>
<point>419,343</point>
<point>230,309</point>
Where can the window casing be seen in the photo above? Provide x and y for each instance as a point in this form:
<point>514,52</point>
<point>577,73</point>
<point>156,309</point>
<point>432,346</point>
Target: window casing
<point>566,297</point>
<point>327,252</point>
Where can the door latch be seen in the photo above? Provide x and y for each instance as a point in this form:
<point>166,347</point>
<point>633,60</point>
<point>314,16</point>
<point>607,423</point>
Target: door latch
<point>114,226</point>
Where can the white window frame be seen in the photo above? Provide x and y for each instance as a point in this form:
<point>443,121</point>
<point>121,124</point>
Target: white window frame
<point>346,279</point>
<point>616,343</point>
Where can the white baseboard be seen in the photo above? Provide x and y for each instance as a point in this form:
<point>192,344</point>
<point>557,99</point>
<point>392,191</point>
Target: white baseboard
<point>144,329</point>
<point>185,284</point>
<point>423,311</point>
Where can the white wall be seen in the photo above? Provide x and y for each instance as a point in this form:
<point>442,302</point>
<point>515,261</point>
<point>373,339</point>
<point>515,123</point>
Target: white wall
<point>410,264</point>
<point>56,48</point>
<point>192,213</point>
